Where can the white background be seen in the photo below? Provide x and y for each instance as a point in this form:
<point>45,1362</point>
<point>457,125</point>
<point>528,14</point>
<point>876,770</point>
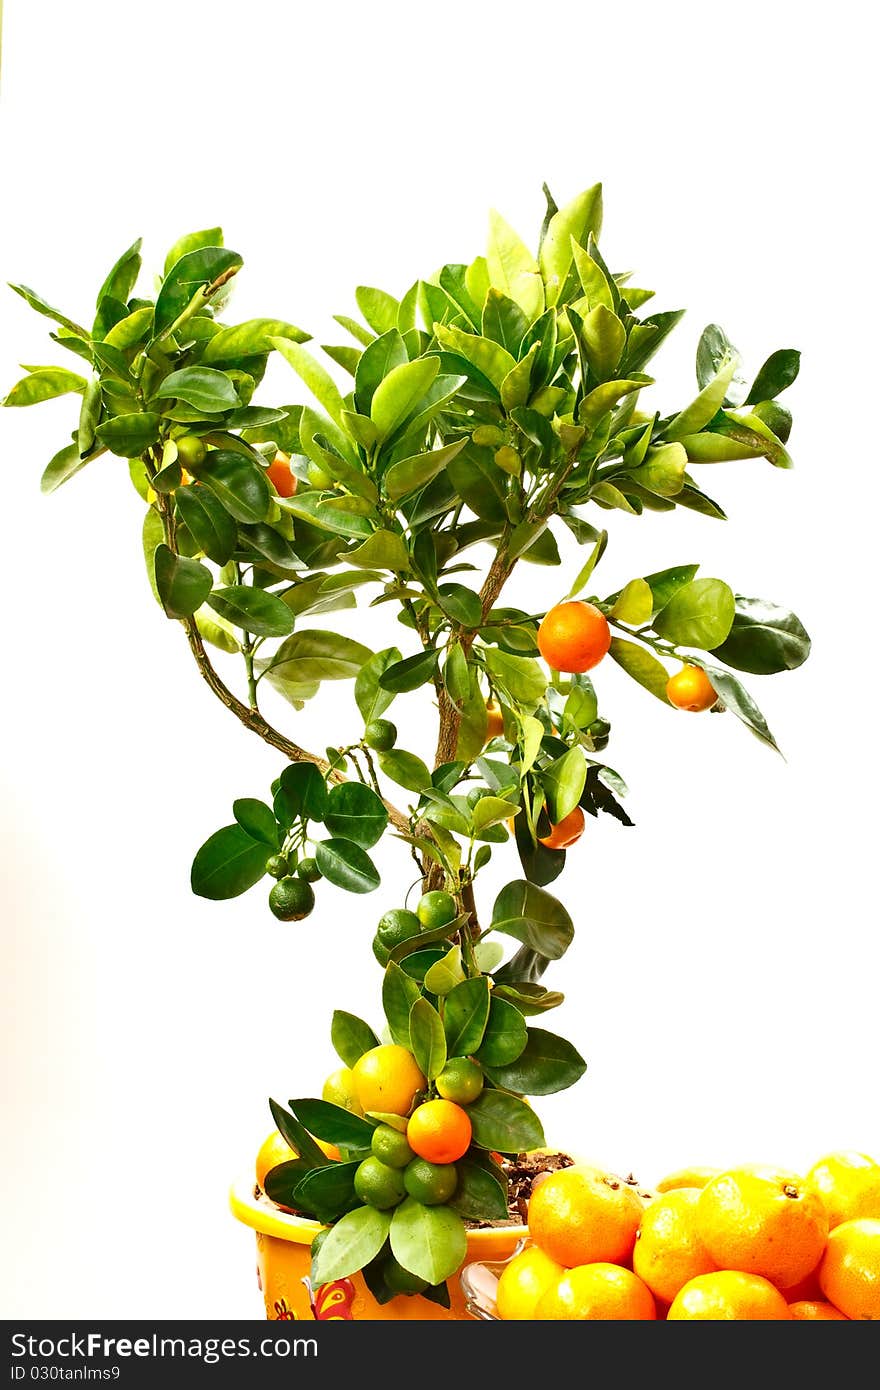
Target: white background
<point>723,983</point>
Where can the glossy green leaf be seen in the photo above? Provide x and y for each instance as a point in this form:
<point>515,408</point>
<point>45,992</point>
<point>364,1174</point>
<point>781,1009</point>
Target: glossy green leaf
<point>356,813</point>
<point>503,321</point>
<point>597,287</point>
<point>713,350</point>
<point>305,791</point>
<point>529,998</point>
<point>457,674</point>
<point>332,1123</point>
<point>443,976</point>
<point>371,699</point>
<point>238,483</point>
<point>737,699</point>
<point>352,1242</point>
<point>603,337</point>
<point>465,1015</point>
<point>399,993</point>
<point>384,550</point>
<point>490,359</point>
<point>192,241</point>
<point>297,1136</point>
<point>481,1195</point>
<point>254,610</point>
<point>492,810</point>
<point>504,1124</point>
<point>327,1192</point>
<point>699,614</point>
<point>405,769</point>
<point>317,378</point>
<point>196,272</point>
<point>210,524</point>
<point>546,1064</point>
<point>399,393</point>
<point>411,474</point>
<point>129,435</point>
<point>128,332</point>
<point>254,338</point>
<point>604,398</point>
<point>634,604</point>
<point>592,561</point>
<point>512,268</point>
<point>205,388</point>
<point>346,865</point>
<point>534,917</point>
<point>379,308</point>
<point>764,638</point>
<point>379,358</point>
<point>519,677</point>
<point>182,584</point>
<point>563,781</point>
<point>37,302</point>
<point>44,384</point>
<point>257,819</point>
<point>228,863</point>
<point>777,373</point>
<point>313,654</point>
<point>698,414</point>
<point>664,583</point>
<point>410,673</point>
<point>61,467</point>
<point>516,387</point>
<point>427,1039</point>
<point>663,471</point>
<point>505,1034</point>
<point>431,1242</point>
<point>641,666</point>
<point>577,220</point>
<point>351,1037</point>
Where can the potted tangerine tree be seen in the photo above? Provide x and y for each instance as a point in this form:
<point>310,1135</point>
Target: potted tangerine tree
<point>489,410</point>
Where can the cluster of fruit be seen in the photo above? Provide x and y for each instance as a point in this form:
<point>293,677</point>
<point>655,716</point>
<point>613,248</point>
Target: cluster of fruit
<point>748,1243</point>
<point>435,909</point>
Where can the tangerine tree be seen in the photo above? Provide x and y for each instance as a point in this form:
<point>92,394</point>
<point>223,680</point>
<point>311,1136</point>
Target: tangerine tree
<point>487,412</point>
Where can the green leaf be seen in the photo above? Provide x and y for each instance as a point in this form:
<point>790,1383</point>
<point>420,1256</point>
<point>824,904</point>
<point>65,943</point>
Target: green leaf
<point>297,1136</point>
<point>317,378</point>
<point>254,610</point>
<point>546,1064</point>
<point>431,1242</point>
<point>410,673</point>
<point>182,584</point>
<point>474,722</point>
<point>579,220</point>
<point>443,976</point>
<point>202,387</point>
<point>664,583</point>
<point>128,332</point>
<point>605,397</point>
<point>516,386</point>
<point>379,308</point>
<point>563,781</point>
<point>504,321</point>
<point>603,337</point>
<point>237,482</point>
<point>399,393</point>
<point>461,604</point>
<point>663,471</point>
<point>492,810</point>
<point>581,706</point>
<point>332,1123</point>
<point>89,416</point>
<point>505,1034</point>
<point>597,287</point>
<point>699,614</point>
<point>63,466</point>
<point>210,524</point>
<point>228,863</point>
<point>512,268</point>
<point>519,677</point>
<point>129,435</point>
<point>384,550</point>
<point>406,769</point>
<point>534,917</point>
<point>327,1191</point>
<point>192,241</point>
<point>305,791</point>
<point>489,358</point>
<point>254,338</point>
<point>399,993</point>
<point>371,699</point>
<point>44,384</point>
<point>777,373</point>
<point>412,474</point>
<point>593,559</point>
<point>356,813</point>
<point>708,403</point>
<point>257,819</point>
<point>641,666</point>
<point>713,350</point>
<point>480,1194</point>
<point>457,674</point>
<point>314,654</point>
<point>427,1039</point>
<point>737,699</point>
<point>352,1242</point>
<point>193,274</point>
<point>634,604</point>
<point>504,1124</point>
<point>465,1015</point>
<point>764,638</point>
<point>37,302</point>
<point>346,865</point>
<point>351,1037</point>
<point>529,998</point>
<point>379,358</point>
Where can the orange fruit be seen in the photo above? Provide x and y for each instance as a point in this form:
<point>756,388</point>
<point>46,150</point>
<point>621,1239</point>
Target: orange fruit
<point>566,831</point>
<point>849,1275</point>
<point>523,1280</point>
<point>849,1185</point>
<point>583,1215</point>
<point>273,1150</point>
<point>387,1078</point>
<point>594,1292</point>
<point>729,1295</point>
<point>280,476</point>
<point>815,1310</point>
<point>494,720</point>
<point>690,688</point>
<point>686,1177</point>
<point>762,1220</point>
<point>668,1252</point>
<point>574,636</point>
<point>439,1130</point>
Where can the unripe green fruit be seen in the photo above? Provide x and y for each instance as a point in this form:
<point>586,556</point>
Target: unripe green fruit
<point>508,460</point>
<point>488,435</point>
<point>277,865</point>
<point>291,899</point>
<point>308,869</point>
<point>191,451</point>
<point>380,734</point>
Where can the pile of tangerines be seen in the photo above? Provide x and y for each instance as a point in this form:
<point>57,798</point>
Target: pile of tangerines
<point>749,1243</point>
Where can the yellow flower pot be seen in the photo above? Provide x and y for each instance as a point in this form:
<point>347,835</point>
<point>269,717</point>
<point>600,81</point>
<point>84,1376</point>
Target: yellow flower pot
<point>283,1262</point>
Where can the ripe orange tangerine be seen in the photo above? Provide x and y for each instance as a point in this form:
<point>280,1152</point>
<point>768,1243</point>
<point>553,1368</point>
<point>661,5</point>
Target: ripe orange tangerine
<point>762,1220</point>
<point>494,720</point>
<point>439,1130</point>
<point>565,832</point>
<point>582,1215</point>
<point>691,689</point>
<point>849,1185</point>
<point>574,636</point>
<point>280,476</point>
<point>816,1310</point>
<point>730,1295</point>
<point>849,1275</point>
<point>388,1078</point>
<point>597,1292</point>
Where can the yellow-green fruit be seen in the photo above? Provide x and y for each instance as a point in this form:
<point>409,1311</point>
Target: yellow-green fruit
<point>339,1089</point>
<point>509,460</point>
